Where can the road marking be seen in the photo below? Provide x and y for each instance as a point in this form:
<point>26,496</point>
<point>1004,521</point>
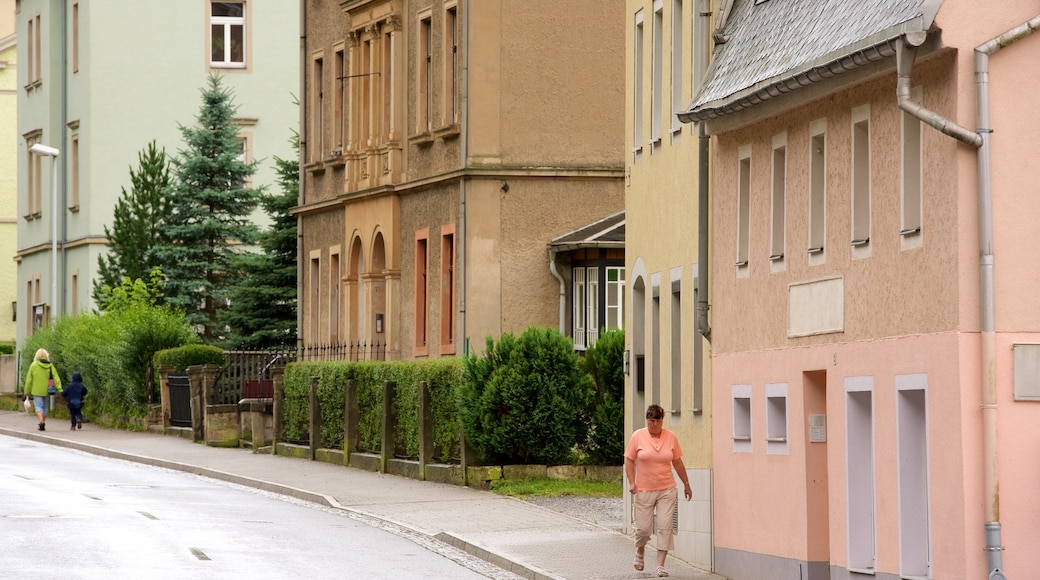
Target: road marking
<point>199,554</point>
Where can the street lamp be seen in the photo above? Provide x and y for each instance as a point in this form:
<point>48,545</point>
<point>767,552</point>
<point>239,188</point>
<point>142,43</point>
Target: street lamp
<point>44,150</point>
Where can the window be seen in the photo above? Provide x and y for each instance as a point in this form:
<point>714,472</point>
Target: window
<point>315,295</point>
<point>655,341</point>
<point>318,109</point>
<point>675,312</point>
<point>637,92</point>
<point>912,178</point>
<point>335,276</point>
<point>425,80</point>
<point>580,341</point>
<point>366,93</point>
<point>451,65</point>
<point>30,57</point>
<point>743,205</point>
<point>779,186</point>
<point>677,63</point>
<point>861,176</point>
<point>387,76</point>
<point>741,399</point>
<point>421,290</point>
<point>75,37</point>
<point>776,419</point>
<point>74,161</point>
<point>33,176</point>
<point>697,403</point>
<point>338,101</point>
<point>448,289</point>
<point>817,187</point>
<point>227,35</point>
<point>75,292</point>
<point>615,307</point>
<point>33,46</point>
<point>657,84</point>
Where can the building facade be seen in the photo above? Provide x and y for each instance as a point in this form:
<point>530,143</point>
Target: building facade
<point>83,93</point>
<point>874,342</point>
<point>667,50</point>
<point>445,145</point>
<point>8,170</point>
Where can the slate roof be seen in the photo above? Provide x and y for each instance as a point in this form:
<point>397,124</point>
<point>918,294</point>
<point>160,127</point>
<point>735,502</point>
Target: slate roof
<point>608,232</point>
<point>776,46</point>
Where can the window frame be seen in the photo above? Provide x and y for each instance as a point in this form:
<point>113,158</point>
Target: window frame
<point>860,179</point>
<point>421,344</point>
<point>227,22</point>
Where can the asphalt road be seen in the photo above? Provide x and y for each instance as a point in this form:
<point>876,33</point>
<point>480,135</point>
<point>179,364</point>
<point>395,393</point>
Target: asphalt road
<point>67,514</point>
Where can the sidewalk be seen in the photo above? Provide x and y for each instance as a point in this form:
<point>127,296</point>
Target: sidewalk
<point>528,540</point>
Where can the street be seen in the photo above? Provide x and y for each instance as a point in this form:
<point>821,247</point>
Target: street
<point>67,514</point>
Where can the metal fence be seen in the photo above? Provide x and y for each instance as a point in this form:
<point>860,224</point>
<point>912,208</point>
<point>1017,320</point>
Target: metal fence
<point>247,374</point>
<point>352,351</point>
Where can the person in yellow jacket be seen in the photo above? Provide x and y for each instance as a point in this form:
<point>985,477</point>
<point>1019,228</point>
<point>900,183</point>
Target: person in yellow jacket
<point>38,381</point>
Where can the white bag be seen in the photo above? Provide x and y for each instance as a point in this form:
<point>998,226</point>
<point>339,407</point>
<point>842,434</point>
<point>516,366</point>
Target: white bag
<point>28,405</point>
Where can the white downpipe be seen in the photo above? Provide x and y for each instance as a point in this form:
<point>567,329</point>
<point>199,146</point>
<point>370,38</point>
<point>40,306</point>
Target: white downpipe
<point>563,290</point>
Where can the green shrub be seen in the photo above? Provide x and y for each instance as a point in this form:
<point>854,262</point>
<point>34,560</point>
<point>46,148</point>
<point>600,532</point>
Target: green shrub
<point>188,355</point>
<point>113,352</point>
<point>604,362</point>
<point>526,400</point>
<point>442,376</point>
<point>6,348</point>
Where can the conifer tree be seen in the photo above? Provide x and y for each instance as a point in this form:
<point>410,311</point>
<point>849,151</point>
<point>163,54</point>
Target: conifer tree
<point>211,220</point>
<point>138,223</point>
<point>263,303</point>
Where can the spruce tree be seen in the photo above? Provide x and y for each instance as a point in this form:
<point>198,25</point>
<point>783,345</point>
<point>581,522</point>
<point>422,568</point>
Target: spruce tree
<point>263,303</point>
<point>211,220</point>
<point>138,223</point>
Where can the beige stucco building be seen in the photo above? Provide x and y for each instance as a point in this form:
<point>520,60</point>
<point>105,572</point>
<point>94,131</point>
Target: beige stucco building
<point>667,48</point>
<point>8,170</point>
<point>875,330</point>
<point>445,145</point>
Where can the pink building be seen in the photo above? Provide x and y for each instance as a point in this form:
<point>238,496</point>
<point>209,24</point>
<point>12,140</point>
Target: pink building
<point>875,314</point>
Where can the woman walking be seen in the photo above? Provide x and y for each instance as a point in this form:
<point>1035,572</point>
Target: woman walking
<point>41,381</point>
<point>651,455</point>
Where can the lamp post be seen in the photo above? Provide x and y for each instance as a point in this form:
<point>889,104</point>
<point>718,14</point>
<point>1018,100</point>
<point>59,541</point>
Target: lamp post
<point>39,149</point>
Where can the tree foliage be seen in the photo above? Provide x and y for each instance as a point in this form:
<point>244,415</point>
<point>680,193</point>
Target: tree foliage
<point>526,399</point>
<point>264,301</point>
<point>604,362</point>
<point>211,213</point>
<point>137,223</point>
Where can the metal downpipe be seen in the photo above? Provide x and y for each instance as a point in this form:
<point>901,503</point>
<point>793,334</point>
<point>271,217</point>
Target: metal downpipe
<point>301,150</point>
<point>703,267</point>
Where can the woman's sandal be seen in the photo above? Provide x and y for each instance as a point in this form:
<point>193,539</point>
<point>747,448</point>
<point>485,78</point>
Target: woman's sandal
<point>638,564</point>
<point>661,572</point>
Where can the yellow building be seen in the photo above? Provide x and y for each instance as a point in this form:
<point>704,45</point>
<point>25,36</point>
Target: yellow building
<point>448,148</point>
<point>8,171</point>
<point>667,52</point>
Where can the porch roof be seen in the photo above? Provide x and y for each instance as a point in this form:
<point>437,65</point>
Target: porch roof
<point>608,232</point>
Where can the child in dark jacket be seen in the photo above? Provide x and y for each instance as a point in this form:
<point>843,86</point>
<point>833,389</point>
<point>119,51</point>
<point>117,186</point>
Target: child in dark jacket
<point>74,395</point>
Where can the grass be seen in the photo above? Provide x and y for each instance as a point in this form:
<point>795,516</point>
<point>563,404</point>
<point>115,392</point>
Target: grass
<point>545,487</point>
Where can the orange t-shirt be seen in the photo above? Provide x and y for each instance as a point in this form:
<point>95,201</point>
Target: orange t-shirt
<point>653,463</point>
